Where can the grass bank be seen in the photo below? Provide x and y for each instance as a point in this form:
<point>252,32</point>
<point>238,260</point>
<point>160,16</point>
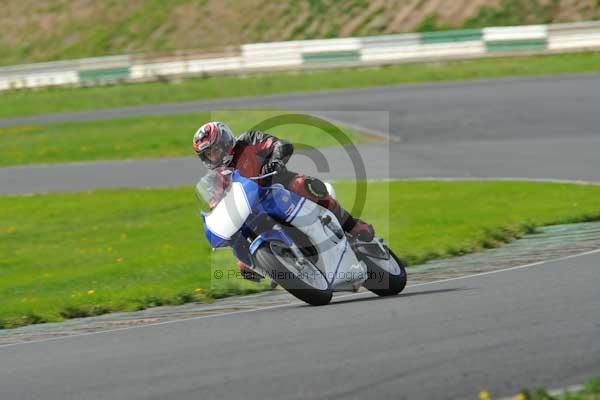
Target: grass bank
<point>71,255</point>
<point>143,137</point>
<point>36,31</point>
<point>57,100</point>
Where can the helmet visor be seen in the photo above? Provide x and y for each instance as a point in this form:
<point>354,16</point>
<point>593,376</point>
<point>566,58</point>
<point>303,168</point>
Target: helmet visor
<point>213,156</point>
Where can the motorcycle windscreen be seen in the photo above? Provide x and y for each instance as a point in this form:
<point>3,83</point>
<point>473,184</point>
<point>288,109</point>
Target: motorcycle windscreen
<point>213,186</point>
<point>230,213</point>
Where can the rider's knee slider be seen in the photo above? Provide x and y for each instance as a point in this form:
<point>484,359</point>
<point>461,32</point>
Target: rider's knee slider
<point>316,188</point>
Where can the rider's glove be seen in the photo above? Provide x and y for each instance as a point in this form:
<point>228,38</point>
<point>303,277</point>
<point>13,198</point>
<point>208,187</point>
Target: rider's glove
<point>273,166</point>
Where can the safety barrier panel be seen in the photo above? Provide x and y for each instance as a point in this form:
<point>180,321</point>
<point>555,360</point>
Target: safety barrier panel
<point>105,75</point>
<point>155,70</point>
<point>460,43</point>
<point>424,46</point>
<point>215,65</point>
<point>189,67</point>
<point>276,55</point>
<point>376,50</point>
<point>330,51</point>
<point>39,79</point>
<point>512,39</point>
<point>465,35</point>
<point>574,36</point>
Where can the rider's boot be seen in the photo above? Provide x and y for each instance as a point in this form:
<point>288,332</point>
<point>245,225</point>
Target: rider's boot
<point>363,231</point>
<point>247,273</point>
<point>250,275</point>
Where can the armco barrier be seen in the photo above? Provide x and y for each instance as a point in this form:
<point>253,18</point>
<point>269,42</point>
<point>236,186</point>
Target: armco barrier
<point>376,50</point>
<point>581,35</point>
<point>513,39</point>
<point>331,56</point>
<point>330,51</point>
<point>104,75</point>
<point>460,43</point>
<point>277,55</point>
<point>155,70</point>
<point>426,46</point>
<point>68,65</point>
<point>465,35</point>
<point>388,48</point>
<point>185,67</point>
<point>215,65</point>
<point>39,79</point>
<point>61,73</point>
<point>516,45</point>
<point>451,50</point>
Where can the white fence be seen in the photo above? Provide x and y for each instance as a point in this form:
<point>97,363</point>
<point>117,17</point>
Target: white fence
<point>291,55</point>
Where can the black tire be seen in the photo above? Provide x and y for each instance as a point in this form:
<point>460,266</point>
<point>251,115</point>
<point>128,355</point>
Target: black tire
<point>295,286</point>
<point>381,282</point>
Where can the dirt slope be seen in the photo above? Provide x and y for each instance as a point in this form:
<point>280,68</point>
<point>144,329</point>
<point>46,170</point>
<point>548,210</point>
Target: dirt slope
<point>33,30</point>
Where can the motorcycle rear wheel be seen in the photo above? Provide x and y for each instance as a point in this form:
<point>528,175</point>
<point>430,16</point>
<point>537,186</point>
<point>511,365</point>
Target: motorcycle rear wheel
<point>382,282</point>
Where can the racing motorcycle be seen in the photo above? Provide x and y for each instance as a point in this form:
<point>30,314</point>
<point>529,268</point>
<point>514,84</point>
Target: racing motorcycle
<point>293,241</point>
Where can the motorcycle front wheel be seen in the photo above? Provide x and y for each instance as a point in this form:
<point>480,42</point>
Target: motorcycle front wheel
<point>305,282</point>
<point>386,277</point>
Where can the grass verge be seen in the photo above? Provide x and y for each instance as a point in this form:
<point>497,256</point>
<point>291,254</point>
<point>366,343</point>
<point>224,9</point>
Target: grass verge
<point>142,137</point>
<point>590,391</point>
<point>55,100</point>
<point>81,254</point>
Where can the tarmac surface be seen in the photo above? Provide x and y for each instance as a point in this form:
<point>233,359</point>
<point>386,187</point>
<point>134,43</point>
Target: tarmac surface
<point>537,128</point>
<point>536,326</point>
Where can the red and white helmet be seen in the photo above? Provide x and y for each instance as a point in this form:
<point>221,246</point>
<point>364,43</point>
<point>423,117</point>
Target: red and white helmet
<point>213,143</point>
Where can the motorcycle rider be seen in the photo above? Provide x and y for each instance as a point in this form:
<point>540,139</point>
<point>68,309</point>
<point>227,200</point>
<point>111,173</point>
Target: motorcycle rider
<point>256,153</point>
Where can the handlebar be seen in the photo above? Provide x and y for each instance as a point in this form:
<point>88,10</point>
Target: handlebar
<point>257,178</point>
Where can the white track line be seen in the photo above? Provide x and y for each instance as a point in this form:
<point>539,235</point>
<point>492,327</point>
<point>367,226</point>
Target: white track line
<point>597,251</point>
<point>361,129</point>
<point>476,179</point>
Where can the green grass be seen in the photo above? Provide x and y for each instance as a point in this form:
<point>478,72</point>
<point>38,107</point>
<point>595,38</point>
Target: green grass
<point>143,137</point>
<point>514,13</point>
<point>590,391</point>
<point>56,100</point>
<point>430,24</point>
<point>68,255</point>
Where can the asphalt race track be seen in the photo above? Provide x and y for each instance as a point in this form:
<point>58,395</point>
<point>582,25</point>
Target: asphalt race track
<point>540,128</point>
<point>527,327</point>
<point>500,332</point>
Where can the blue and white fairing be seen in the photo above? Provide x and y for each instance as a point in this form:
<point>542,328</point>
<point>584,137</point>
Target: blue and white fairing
<point>238,201</point>
<point>243,201</point>
<point>235,199</point>
<point>337,260</point>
